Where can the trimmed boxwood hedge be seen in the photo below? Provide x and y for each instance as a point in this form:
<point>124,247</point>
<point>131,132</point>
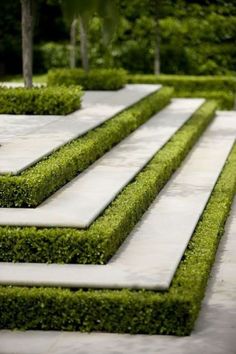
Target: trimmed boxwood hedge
<point>37,183</point>
<point>170,312</point>
<point>224,99</point>
<point>187,82</point>
<point>220,88</point>
<point>40,100</point>
<point>101,240</point>
<point>95,79</point>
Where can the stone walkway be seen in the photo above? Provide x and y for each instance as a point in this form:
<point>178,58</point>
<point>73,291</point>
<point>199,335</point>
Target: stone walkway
<point>214,331</point>
<point>150,255</point>
<point>22,152</point>
<point>80,202</point>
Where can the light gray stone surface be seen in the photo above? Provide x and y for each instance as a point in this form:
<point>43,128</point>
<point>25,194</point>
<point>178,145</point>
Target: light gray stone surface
<point>13,126</point>
<point>214,331</point>
<point>79,202</point>
<point>24,151</point>
<point>150,256</point>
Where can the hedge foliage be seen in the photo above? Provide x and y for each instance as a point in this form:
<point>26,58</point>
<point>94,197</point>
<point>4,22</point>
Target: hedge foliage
<point>35,184</point>
<point>225,99</point>
<point>188,83</point>
<point>101,240</point>
<point>41,101</point>
<point>170,312</point>
<point>219,88</point>
<point>96,79</point>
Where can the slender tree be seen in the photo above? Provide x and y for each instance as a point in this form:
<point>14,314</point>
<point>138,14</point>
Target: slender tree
<point>159,9</point>
<point>84,10</point>
<point>27,40</point>
<point>73,35</point>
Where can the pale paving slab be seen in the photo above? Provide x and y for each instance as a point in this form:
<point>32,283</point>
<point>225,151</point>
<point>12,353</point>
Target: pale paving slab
<point>13,126</point>
<point>25,151</point>
<point>79,202</point>
<point>214,332</point>
<point>151,254</point>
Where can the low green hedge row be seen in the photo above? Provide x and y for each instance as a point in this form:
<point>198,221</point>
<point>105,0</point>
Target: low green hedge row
<point>40,181</point>
<point>95,79</point>
<point>41,101</point>
<point>188,83</point>
<point>101,240</point>
<point>127,311</point>
<point>224,99</point>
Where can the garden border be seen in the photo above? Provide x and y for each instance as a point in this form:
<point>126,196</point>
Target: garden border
<point>172,312</point>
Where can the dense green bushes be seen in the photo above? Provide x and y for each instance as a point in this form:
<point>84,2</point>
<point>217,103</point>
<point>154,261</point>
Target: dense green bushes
<point>99,242</point>
<point>100,79</point>
<point>188,83</point>
<point>205,45</point>
<point>38,182</point>
<point>225,99</point>
<point>170,312</point>
<point>220,88</point>
<point>41,101</point>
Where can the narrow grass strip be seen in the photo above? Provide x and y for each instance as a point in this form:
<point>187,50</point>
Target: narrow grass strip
<point>171,312</point>
<point>40,181</point>
<point>99,242</point>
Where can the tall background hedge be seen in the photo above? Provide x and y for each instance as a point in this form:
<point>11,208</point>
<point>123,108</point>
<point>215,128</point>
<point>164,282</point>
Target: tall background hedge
<point>198,37</point>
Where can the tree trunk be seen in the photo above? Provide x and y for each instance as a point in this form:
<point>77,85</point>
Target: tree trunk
<point>157,5</point>
<point>27,41</point>
<point>157,58</point>
<point>73,34</point>
<point>84,44</point>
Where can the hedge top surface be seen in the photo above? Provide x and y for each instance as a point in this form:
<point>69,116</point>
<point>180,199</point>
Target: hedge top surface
<point>95,79</point>
<point>40,100</point>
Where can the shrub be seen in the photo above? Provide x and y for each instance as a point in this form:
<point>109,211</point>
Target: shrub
<point>99,242</point>
<point>35,184</point>
<point>225,99</point>
<point>188,83</point>
<point>100,79</point>
<point>41,101</point>
<point>170,312</point>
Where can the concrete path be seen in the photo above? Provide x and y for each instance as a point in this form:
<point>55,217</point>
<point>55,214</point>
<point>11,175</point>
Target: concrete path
<point>13,126</point>
<point>151,254</point>
<point>24,151</point>
<point>214,331</point>
<point>80,202</point>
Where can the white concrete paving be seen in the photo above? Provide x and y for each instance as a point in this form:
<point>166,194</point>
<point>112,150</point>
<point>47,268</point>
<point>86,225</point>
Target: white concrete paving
<point>214,332</point>
<point>151,254</point>
<point>82,200</point>
<point>24,151</point>
<point>13,126</point>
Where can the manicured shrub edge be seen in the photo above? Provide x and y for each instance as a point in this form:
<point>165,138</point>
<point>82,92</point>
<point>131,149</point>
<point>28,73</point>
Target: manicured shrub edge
<point>220,88</point>
<point>225,99</point>
<point>95,79</point>
<point>99,242</point>
<point>188,83</point>
<point>37,183</point>
<point>40,100</point>
<point>127,311</point>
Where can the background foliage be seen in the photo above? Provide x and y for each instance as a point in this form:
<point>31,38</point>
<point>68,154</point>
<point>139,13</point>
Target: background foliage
<point>198,37</point>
